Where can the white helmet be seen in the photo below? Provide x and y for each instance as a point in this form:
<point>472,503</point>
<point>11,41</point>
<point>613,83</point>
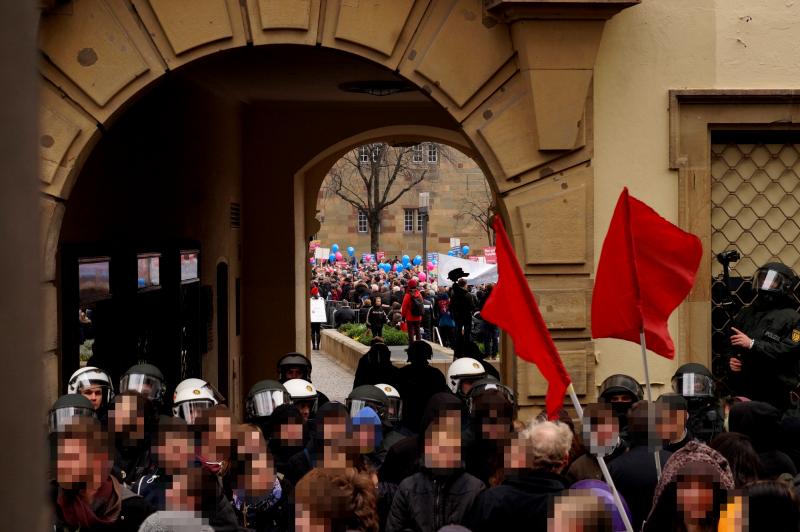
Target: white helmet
<point>464,369</point>
<point>191,397</point>
<point>394,412</point>
<point>91,376</point>
<point>302,391</point>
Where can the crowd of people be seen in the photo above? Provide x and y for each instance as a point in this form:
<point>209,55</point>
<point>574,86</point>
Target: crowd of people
<point>413,449</point>
<point>407,301</point>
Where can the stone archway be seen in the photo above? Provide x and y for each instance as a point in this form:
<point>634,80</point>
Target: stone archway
<point>519,87</point>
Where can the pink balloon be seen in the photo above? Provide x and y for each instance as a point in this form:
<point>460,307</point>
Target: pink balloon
<point>312,260</point>
<point>338,255</point>
<point>422,276</point>
<point>431,266</point>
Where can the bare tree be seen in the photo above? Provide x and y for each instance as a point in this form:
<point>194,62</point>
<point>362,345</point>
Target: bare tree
<point>373,177</point>
<point>479,207</point>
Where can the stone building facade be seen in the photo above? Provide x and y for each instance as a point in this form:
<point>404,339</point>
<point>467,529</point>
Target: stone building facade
<point>456,186</point>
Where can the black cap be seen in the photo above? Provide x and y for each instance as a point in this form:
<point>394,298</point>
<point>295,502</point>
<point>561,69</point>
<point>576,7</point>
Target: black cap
<point>146,369</point>
<point>419,349</point>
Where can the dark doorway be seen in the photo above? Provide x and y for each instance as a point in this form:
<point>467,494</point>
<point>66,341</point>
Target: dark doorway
<point>222,328</point>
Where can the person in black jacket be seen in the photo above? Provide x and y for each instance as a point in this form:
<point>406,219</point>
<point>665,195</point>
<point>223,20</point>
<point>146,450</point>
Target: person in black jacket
<point>761,422</point>
<point>375,366</point>
<point>345,314</point>
<point>132,424</point>
<point>417,383</point>
<point>634,472</point>
<point>764,362</point>
<point>441,493</point>
<point>532,479</point>
<point>462,305</point>
<point>376,318</point>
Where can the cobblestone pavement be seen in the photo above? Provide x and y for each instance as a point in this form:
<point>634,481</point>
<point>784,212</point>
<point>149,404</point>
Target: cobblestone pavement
<point>329,377</point>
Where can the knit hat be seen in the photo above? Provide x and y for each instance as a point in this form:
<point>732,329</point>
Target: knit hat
<point>315,291</point>
<point>367,416</point>
<point>412,283</point>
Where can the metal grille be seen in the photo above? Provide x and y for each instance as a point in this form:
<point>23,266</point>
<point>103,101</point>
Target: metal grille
<point>755,197</point>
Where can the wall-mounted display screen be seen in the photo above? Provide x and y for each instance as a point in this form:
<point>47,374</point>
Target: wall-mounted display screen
<point>93,279</point>
<point>149,273</point>
<point>189,269</point>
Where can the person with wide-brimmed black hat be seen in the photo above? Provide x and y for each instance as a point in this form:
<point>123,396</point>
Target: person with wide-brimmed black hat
<point>462,305</point>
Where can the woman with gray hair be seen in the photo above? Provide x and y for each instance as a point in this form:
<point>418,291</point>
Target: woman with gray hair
<point>534,461</point>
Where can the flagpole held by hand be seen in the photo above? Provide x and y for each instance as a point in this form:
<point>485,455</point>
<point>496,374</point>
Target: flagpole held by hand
<point>602,463</point>
<point>643,343</point>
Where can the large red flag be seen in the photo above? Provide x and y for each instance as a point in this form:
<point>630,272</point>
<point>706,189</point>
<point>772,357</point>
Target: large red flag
<point>511,307</point>
<point>647,267</point>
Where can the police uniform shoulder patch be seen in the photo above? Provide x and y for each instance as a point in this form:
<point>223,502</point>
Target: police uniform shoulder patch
<point>795,335</point>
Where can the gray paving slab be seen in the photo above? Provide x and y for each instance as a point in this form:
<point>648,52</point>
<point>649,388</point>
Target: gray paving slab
<point>331,378</point>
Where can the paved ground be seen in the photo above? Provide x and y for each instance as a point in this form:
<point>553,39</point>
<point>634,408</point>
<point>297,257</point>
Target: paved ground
<point>329,377</point>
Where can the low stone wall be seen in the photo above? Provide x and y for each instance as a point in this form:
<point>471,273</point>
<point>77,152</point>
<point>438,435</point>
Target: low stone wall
<point>347,352</point>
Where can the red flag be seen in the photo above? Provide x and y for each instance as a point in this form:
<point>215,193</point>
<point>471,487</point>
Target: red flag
<point>647,267</point>
<point>511,307</point>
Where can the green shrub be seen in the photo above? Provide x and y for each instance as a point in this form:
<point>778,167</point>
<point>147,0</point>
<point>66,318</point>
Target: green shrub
<point>361,333</point>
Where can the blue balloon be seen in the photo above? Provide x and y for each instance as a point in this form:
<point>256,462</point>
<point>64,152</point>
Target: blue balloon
<point>465,250</point>
<point>405,259</point>
<point>331,258</point>
<point>351,250</point>
<point>451,253</point>
<point>335,248</point>
<point>398,268</point>
<point>417,260</point>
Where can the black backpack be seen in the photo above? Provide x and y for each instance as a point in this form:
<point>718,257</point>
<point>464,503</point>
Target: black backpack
<point>416,306</point>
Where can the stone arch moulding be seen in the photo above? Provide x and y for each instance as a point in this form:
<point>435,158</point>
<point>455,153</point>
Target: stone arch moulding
<point>519,86</point>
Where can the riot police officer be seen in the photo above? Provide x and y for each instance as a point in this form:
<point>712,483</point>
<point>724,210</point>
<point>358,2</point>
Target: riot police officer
<point>696,384</point>
<point>764,360</point>
<point>298,366</point>
<point>621,391</point>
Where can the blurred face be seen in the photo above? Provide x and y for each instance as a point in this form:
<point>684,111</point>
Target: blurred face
<point>175,452</point>
<point>496,428</point>
<point>672,423</point>
<point>305,409</point>
<point>259,475</point>
<point>127,418</point>
<point>93,394</point>
<point>466,386</point>
<point>304,522</point>
<point>443,442</point>
<point>73,464</point>
<point>291,434</point>
<point>179,496</point>
<point>334,429</point>
<point>514,454</point>
<point>695,499</point>
<point>365,438</point>
<point>377,302</point>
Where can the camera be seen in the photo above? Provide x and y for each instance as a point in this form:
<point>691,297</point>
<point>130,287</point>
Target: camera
<point>726,257</point>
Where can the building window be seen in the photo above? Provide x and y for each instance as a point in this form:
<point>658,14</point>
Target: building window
<point>362,222</point>
<point>419,221</point>
<point>417,153</point>
<point>408,220</point>
<point>433,153</point>
<point>363,154</point>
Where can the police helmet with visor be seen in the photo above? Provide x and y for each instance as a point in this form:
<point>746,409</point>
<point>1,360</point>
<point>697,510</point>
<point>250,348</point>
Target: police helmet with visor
<point>264,397</point>
<point>294,361</point>
<point>192,397</point>
<point>144,379</point>
<point>66,409</point>
<point>89,377</point>
<point>394,408</point>
<point>620,384</point>
<point>693,380</point>
<point>302,391</point>
<point>464,369</point>
<point>775,278</point>
<point>490,385</point>
<point>367,395</point>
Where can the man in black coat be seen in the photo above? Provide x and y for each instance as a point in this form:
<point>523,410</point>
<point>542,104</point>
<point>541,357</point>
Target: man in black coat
<point>532,479</point>
<point>375,366</point>
<point>417,382</point>
<point>462,305</point>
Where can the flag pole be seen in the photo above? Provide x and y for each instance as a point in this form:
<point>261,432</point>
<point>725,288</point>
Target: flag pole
<point>649,392</point>
<point>602,463</point>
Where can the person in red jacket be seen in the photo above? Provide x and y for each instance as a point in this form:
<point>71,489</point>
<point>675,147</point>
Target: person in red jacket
<point>412,310</point>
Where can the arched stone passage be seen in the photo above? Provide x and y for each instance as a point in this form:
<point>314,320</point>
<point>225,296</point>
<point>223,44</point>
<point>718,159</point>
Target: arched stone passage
<point>519,88</point>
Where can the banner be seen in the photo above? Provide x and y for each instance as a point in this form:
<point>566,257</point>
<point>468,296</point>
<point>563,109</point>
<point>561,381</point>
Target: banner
<point>318,310</point>
<point>380,255</point>
<point>478,273</point>
<point>433,256</point>
<point>314,244</point>
<point>368,257</point>
<point>322,253</point>
<point>491,255</point>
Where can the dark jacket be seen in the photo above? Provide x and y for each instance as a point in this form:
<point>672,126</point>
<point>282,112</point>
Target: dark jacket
<point>462,304</point>
<point>524,497</point>
<point>425,502</point>
<point>133,512</point>
<point>375,367</point>
<point>344,315</point>
<point>761,422</point>
<point>417,383</point>
<point>772,367</point>
<point>376,316</point>
<point>634,473</point>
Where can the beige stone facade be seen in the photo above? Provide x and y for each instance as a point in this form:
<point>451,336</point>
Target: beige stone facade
<point>454,183</point>
<point>560,104</point>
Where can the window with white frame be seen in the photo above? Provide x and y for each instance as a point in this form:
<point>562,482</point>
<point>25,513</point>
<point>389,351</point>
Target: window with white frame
<point>363,154</point>
<point>408,220</point>
<point>362,222</point>
<point>417,153</point>
<point>433,153</point>
<point>419,221</point>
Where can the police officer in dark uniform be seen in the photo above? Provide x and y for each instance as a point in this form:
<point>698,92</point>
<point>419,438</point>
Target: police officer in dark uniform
<point>620,392</point>
<point>764,359</point>
<point>297,366</point>
<point>696,384</point>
